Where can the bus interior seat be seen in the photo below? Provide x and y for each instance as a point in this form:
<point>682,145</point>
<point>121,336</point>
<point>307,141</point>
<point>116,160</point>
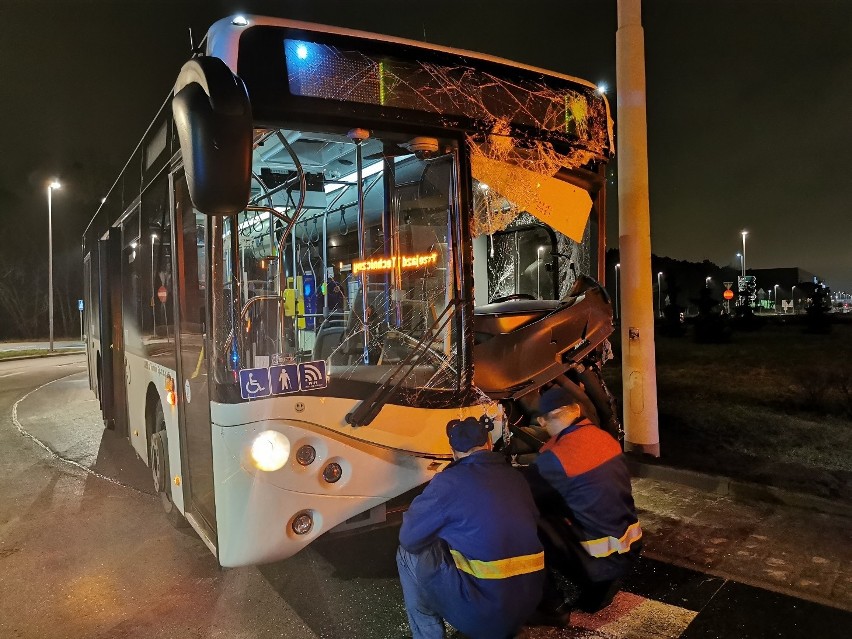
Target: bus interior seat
<point>329,338</point>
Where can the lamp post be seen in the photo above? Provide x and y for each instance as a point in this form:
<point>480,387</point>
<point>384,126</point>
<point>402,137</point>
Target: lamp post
<point>707,282</point>
<point>660,294</point>
<point>53,185</point>
<point>775,298</point>
<point>744,233</point>
<point>793,299</point>
<point>617,269</point>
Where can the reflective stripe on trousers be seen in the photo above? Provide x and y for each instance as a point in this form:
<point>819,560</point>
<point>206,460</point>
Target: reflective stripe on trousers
<point>499,568</point>
<point>605,546</point>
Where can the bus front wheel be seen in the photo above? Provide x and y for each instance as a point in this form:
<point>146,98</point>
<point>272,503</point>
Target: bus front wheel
<point>159,462</point>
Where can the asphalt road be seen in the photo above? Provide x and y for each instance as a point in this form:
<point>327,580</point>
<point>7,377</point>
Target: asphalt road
<point>86,552</point>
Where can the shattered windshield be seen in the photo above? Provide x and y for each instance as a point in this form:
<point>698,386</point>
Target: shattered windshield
<point>364,281</point>
<point>530,225</point>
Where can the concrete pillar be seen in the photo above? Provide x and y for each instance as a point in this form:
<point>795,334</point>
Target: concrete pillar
<point>639,368</point>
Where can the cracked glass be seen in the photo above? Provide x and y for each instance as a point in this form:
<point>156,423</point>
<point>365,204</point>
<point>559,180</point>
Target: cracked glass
<point>367,279</point>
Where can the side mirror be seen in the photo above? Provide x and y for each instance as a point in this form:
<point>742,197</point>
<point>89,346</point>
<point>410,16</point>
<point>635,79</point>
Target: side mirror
<point>214,124</point>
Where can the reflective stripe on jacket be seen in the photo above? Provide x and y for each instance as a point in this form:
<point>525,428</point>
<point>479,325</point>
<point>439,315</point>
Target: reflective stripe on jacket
<point>605,546</point>
<point>585,466</point>
<point>488,576</point>
<point>499,568</point>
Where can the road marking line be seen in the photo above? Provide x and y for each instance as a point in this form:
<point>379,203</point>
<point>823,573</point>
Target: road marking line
<point>52,452</point>
<point>10,374</point>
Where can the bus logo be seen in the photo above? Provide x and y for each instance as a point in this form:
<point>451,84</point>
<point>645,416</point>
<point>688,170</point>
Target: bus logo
<point>312,375</point>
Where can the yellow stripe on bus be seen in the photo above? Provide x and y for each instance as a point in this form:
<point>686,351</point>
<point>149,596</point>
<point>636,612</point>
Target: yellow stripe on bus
<point>499,568</point>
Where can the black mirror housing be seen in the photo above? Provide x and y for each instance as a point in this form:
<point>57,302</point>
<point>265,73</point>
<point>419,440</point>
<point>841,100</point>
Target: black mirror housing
<point>213,117</point>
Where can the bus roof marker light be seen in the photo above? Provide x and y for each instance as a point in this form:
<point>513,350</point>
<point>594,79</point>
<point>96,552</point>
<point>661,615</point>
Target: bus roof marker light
<point>602,88</point>
<point>240,21</point>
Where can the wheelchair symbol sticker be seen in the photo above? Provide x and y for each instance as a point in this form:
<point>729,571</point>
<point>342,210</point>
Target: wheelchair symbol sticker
<point>284,379</point>
<point>254,382</point>
<point>312,375</point>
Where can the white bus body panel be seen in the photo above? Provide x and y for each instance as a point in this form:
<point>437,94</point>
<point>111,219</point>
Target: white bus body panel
<point>140,374</point>
<point>255,509</point>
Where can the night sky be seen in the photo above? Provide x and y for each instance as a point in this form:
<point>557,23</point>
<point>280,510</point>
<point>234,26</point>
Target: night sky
<point>749,117</point>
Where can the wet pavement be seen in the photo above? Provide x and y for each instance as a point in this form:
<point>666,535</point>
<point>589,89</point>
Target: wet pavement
<point>800,552</point>
<point>85,545</point>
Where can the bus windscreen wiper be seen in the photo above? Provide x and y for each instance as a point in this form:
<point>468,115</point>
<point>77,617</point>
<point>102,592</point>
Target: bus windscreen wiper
<point>367,410</point>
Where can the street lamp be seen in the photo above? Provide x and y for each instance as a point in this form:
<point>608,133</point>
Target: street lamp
<point>775,297</point>
<point>744,233</point>
<point>707,281</point>
<point>53,185</point>
<point>660,294</point>
<point>617,269</point>
<point>793,299</point>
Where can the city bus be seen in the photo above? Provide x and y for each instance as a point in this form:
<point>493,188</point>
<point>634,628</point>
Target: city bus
<point>327,244</point>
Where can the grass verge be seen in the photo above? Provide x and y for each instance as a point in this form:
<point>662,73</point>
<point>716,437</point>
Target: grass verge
<point>772,406</point>
<point>35,352</point>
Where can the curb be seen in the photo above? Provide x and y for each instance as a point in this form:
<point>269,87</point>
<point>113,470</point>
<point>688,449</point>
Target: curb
<point>721,485</point>
<point>66,351</point>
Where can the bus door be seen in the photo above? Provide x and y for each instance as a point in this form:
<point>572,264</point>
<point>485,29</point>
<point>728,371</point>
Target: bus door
<point>190,265</point>
<point>111,377</point>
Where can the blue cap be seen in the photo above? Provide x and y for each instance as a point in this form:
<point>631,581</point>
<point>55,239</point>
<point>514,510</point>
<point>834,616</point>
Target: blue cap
<point>553,398</point>
<point>468,433</point>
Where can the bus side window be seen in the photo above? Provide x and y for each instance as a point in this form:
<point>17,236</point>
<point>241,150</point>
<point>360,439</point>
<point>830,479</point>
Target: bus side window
<point>156,277</point>
<point>131,272</point>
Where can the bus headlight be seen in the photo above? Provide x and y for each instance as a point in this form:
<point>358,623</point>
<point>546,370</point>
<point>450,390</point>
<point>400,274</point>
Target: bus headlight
<point>270,450</point>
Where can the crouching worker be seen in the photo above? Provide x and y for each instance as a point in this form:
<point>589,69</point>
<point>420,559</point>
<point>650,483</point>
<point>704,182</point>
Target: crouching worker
<point>469,551</point>
<point>582,486</point>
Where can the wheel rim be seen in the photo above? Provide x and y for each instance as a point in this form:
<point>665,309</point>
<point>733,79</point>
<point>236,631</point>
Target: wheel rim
<point>157,463</point>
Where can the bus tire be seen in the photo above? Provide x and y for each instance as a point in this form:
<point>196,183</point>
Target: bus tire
<point>159,463</point>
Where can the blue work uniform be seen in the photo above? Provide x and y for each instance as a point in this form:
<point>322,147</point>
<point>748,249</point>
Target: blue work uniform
<point>477,559</point>
<point>585,466</point>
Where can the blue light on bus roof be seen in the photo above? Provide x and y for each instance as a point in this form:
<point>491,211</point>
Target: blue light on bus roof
<point>301,51</point>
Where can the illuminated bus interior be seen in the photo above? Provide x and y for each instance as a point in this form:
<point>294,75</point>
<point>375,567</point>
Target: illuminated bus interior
<point>400,253</point>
